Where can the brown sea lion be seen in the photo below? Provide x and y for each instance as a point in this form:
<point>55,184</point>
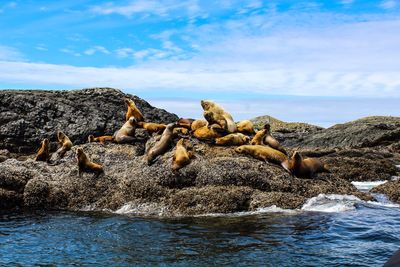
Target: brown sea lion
<point>180,131</point>
<point>306,168</point>
<point>151,127</point>
<point>265,153</point>
<point>208,133</point>
<point>162,145</point>
<point>185,123</point>
<point>269,140</point>
<point>245,127</point>
<point>198,124</point>
<point>236,139</point>
<point>101,139</point>
<point>214,113</point>
<point>126,134</point>
<point>64,142</point>
<point>85,165</point>
<point>44,151</point>
<point>258,138</point>
<point>181,156</point>
<point>133,111</point>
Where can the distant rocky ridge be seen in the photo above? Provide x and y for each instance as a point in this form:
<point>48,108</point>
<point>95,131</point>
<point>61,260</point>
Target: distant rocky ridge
<point>217,181</point>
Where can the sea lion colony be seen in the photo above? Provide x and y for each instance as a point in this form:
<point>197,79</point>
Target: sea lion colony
<point>218,128</point>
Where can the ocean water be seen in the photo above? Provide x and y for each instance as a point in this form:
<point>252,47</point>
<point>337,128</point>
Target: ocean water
<point>330,230</point>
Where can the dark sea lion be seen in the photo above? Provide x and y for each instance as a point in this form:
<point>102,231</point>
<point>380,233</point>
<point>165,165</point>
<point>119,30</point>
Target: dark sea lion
<point>185,123</point>
<point>214,113</point>
<point>162,145</point>
<point>236,139</point>
<point>44,151</point>
<point>265,153</point>
<point>126,135</point>
<point>101,139</point>
<point>245,127</point>
<point>181,156</point>
<point>306,168</point>
<point>85,165</point>
<point>133,111</point>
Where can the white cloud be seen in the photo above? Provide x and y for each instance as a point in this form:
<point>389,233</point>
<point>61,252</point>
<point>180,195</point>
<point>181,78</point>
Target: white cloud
<point>124,52</point>
<point>388,4</point>
<point>95,49</point>
<point>70,52</point>
<point>41,47</point>
<point>10,54</point>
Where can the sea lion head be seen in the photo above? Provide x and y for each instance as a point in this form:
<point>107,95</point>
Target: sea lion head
<point>246,139</point>
<point>79,151</point>
<point>267,127</point>
<point>91,138</point>
<point>296,156</point>
<point>132,121</point>
<point>240,149</point>
<point>45,142</point>
<point>206,104</point>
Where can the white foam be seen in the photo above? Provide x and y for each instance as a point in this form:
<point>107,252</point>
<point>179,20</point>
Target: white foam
<point>331,203</point>
<point>395,178</point>
<point>367,185</point>
<point>148,209</point>
<point>270,209</point>
<point>398,166</point>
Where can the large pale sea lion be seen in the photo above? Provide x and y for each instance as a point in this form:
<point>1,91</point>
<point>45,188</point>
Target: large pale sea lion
<point>214,113</point>
<point>306,168</point>
<point>85,165</point>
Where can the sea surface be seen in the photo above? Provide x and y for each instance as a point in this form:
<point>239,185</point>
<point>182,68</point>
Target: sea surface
<point>330,230</point>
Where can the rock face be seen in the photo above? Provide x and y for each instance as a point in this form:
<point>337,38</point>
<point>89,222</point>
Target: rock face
<point>28,116</point>
<point>218,180</point>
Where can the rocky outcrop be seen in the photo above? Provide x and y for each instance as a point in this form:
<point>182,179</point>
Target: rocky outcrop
<point>218,180</point>
<point>28,116</point>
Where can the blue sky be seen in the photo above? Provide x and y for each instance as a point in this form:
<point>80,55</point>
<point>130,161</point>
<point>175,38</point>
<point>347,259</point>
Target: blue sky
<point>169,51</point>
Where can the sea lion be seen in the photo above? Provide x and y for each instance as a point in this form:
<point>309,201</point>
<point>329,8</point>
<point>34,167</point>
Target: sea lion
<point>208,133</point>
<point>43,153</point>
<point>245,127</point>
<point>306,168</point>
<point>198,124</point>
<point>162,144</point>
<point>151,127</point>
<point>133,111</point>
<point>181,156</point>
<point>185,123</point>
<point>101,139</point>
<point>236,139</point>
<point>85,165</point>
<point>180,131</point>
<point>258,138</point>
<point>265,153</point>
<point>214,113</point>
<point>269,140</point>
<point>126,134</point>
<point>64,142</point>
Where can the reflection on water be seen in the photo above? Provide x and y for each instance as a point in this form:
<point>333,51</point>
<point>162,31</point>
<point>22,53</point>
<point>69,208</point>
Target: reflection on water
<point>367,236</point>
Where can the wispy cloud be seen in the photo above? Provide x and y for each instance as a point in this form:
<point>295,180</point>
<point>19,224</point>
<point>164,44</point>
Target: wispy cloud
<point>70,52</point>
<point>124,52</point>
<point>95,49</point>
<point>41,47</point>
<point>388,4</point>
<point>10,54</point>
